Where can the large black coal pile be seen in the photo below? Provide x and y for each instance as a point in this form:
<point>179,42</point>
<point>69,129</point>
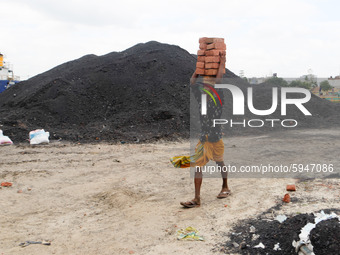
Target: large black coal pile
<point>140,94</point>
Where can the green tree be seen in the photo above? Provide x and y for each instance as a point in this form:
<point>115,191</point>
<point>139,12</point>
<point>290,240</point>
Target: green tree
<point>301,84</point>
<point>277,81</point>
<point>311,80</point>
<point>325,86</point>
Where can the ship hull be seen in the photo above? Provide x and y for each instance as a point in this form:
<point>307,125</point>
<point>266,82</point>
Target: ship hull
<point>5,84</point>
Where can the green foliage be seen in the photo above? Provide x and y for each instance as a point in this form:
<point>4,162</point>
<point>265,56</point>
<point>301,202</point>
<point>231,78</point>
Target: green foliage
<point>311,80</point>
<point>307,83</point>
<point>301,84</point>
<point>278,81</point>
<point>325,86</point>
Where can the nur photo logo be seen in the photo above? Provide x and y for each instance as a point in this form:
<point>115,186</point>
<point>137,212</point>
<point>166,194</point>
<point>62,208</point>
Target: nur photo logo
<point>238,105</point>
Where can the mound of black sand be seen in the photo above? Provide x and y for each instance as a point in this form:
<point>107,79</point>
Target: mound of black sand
<point>140,94</point>
<point>325,237</point>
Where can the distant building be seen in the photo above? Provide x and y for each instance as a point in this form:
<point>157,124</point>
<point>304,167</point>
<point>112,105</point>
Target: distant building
<point>256,81</point>
<point>334,82</point>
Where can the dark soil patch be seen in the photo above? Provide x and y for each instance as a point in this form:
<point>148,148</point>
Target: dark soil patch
<point>325,237</point>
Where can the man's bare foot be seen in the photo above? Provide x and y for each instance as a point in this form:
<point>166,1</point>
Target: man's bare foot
<point>191,204</point>
<point>224,193</point>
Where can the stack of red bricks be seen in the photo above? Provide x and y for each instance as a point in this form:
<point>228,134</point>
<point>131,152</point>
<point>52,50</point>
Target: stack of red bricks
<point>208,56</point>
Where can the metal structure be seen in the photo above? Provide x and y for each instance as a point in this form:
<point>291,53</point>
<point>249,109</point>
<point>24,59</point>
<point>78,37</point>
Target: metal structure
<point>7,77</point>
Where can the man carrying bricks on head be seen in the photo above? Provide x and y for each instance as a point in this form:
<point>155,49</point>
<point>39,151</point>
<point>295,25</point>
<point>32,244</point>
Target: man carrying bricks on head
<point>211,67</point>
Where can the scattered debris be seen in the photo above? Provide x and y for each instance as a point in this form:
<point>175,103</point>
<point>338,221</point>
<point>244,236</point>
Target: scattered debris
<point>6,184</point>
<point>243,245</point>
<point>277,247</point>
<point>27,243</point>
<point>260,245</point>
<point>236,244</point>
<point>236,234</point>
<point>189,233</point>
<point>252,229</point>
<point>281,218</point>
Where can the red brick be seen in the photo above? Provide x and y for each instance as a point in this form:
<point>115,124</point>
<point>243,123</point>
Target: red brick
<point>286,198</point>
<point>212,53</point>
<point>200,58</point>
<point>214,40</point>
<point>200,71</point>
<point>203,46</point>
<point>212,59</point>
<point>291,188</point>
<point>205,40</point>
<point>200,65</point>
<point>217,46</point>
<point>210,40</point>
<point>201,52</point>
<point>212,65</point>
<point>202,40</point>
<point>221,40</point>
<point>210,72</point>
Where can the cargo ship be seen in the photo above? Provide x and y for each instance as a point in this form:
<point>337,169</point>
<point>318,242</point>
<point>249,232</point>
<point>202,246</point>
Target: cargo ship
<point>7,77</point>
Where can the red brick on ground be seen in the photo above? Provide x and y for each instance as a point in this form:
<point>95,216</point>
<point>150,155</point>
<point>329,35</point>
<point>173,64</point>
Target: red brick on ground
<point>200,65</point>
<point>286,198</point>
<point>291,188</point>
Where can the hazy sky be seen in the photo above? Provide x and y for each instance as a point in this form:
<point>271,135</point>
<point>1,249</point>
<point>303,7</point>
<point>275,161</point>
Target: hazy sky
<point>264,36</point>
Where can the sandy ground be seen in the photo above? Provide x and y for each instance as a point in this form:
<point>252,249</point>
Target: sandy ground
<point>124,199</point>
